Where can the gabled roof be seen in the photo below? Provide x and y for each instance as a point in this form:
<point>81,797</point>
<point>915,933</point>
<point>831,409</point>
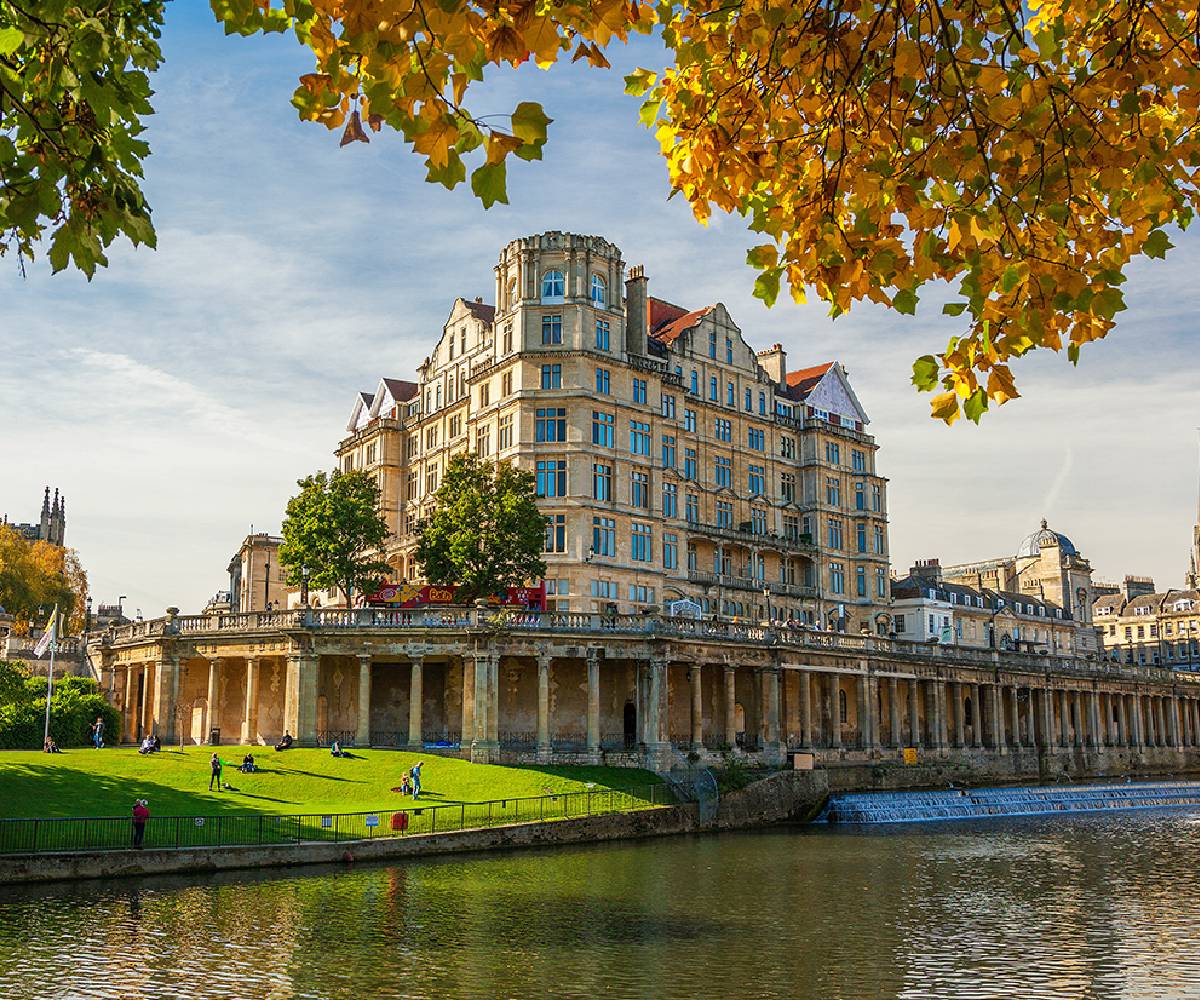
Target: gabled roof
<point>800,383</point>
<point>481,310</point>
<point>668,321</point>
<point>362,404</point>
<point>401,389</point>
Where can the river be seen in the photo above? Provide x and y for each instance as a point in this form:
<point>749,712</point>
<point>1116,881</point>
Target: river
<point>1065,906</point>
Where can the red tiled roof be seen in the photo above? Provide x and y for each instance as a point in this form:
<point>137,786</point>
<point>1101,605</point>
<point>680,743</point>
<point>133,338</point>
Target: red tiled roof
<point>663,312</point>
<point>668,321</point>
<point>800,383</point>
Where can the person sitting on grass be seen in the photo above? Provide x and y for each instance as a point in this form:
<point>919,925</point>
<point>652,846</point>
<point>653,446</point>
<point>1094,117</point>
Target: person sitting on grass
<point>405,784</point>
<point>147,745</point>
<point>285,743</point>
<point>337,751</point>
<point>157,744</point>
<point>49,746</point>
<point>248,766</point>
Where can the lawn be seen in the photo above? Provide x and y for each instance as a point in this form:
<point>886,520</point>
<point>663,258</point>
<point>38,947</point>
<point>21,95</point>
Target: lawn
<point>88,782</point>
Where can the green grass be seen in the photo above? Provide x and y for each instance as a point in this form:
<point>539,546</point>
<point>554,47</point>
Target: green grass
<point>88,782</point>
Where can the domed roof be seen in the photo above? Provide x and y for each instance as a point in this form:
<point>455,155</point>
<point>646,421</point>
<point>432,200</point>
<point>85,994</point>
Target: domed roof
<point>1032,544</point>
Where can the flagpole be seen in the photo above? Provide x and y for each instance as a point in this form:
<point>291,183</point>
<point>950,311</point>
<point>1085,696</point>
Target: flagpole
<point>50,673</point>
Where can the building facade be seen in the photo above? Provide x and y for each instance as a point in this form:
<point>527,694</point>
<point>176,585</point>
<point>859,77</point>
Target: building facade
<point>677,466</point>
<point>257,575</point>
<point>51,526</point>
<point>1046,570</point>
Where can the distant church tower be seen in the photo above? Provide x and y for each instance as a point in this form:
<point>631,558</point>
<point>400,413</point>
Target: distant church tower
<point>1192,581</point>
<point>52,527</point>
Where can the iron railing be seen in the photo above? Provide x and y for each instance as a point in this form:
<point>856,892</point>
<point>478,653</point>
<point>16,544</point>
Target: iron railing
<point>111,833</point>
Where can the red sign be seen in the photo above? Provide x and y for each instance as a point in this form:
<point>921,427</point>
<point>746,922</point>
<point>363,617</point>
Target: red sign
<point>411,595</point>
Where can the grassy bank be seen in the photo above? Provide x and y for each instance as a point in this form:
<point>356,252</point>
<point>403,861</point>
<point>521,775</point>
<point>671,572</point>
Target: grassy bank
<point>105,782</point>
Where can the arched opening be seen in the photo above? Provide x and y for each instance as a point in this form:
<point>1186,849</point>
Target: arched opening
<point>968,719</point>
<point>739,722</point>
<point>554,286</point>
<point>843,717</point>
<point>630,724</point>
<point>599,291</point>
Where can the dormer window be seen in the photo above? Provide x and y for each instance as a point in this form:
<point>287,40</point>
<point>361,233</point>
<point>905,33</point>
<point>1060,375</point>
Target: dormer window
<point>554,286</point>
<point>599,292</point>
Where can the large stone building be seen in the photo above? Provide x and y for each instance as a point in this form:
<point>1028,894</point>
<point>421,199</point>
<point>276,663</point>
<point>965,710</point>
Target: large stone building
<point>1046,567</point>
<point>257,575</point>
<point>674,462</point>
<point>51,526</point>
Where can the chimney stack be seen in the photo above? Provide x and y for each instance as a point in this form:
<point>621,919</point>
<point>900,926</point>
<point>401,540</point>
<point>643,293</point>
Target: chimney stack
<point>927,569</point>
<point>637,311</point>
<point>774,362</point>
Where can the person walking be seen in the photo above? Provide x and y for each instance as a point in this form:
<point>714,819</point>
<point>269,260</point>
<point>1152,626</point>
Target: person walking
<point>416,778</point>
<point>215,764</point>
<point>140,814</point>
<point>98,733</point>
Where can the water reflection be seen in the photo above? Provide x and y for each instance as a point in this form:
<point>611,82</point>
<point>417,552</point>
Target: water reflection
<point>1085,906</point>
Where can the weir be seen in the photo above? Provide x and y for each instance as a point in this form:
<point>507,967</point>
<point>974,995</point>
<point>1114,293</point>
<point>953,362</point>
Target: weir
<point>985,803</point>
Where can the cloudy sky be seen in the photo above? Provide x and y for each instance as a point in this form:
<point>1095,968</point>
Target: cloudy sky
<point>177,397</point>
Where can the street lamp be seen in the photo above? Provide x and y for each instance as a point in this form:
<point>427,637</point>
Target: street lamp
<point>304,585</point>
<point>87,617</point>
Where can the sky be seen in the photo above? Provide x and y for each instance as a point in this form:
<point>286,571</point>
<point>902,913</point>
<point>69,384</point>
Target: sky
<point>177,397</point>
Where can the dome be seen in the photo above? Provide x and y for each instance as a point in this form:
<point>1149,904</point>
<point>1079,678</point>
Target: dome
<point>1032,545</point>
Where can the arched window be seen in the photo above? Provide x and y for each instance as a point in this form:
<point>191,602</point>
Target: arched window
<point>554,287</point>
<point>842,717</point>
<point>512,293</point>
<point>599,292</point>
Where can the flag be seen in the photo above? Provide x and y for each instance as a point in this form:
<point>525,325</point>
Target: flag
<point>49,635</point>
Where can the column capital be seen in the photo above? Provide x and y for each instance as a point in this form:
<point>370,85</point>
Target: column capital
<point>545,659</point>
<point>363,657</point>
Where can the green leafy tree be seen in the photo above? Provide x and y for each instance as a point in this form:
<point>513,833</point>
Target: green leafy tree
<point>334,528</point>
<point>486,532</point>
<point>73,90</point>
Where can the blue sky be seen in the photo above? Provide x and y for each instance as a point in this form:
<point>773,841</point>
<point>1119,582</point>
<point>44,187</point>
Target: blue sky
<point>177,397</point>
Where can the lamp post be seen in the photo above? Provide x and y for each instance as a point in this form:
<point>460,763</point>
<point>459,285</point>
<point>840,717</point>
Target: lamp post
<point>304,585</point>
<point>87,615</point>
<point>267,586</point>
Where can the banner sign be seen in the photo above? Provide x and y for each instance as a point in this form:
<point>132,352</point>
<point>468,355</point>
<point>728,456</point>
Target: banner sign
<point>412,595</point>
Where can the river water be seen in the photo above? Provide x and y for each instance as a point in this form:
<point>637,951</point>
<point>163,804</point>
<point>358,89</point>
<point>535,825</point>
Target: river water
<point>1064,906</point>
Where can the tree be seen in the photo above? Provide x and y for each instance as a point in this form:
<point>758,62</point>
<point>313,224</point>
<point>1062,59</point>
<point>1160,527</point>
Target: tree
<point>36,576</point>
<point>1026,152</point>
<point>486,532</point>
<point>334,528</point>
<point>73,91</point>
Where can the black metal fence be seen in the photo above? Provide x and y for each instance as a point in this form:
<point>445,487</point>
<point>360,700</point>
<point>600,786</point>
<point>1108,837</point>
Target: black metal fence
<point>110,833</point>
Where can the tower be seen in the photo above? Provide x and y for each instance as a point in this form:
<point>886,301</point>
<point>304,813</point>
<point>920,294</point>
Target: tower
<point>44,523</point>
<point>1192,580</point>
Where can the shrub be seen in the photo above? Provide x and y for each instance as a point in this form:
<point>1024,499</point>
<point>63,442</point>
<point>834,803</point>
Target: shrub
<point>74,706</point>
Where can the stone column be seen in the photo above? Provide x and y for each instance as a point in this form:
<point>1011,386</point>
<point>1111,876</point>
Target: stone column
<point>467,729</point>
<point>543,716</point>
<point>862,712</point>
<point>696,678</point>
<point>1048,737</point>
<point>362,733</point>
<point>148,675</point>
<point>1077,698</point>
<point>1137,723</point>
<point>485,740</point>
<point>129,715</point>
<point>593,705</point>
<point>166,697</point>
<point>1173,718</point>
<point>657,753</point>
<point>939,689</point>
<point>835,713</point>
<point>1031,734</point>
<point>773,748</point>
<point>1124,714</point>
<point>1095,723</point>
<point>250,715</point>
<point>976,717</point>
<point>1016,718</point>
<point>960,730</point>
<point>212,714</point>
<point>1151,722</point>
<point>914,712</point>
<point>895,736</point>
<point>806,733</point>
<point>416,705</point>
<point>996,711</point>
<point>300,698</point>
<point>1064,719</point>
<point>730,706</point>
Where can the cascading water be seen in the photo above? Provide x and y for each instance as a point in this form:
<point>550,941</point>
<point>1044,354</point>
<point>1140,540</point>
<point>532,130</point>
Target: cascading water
<point>977,803</point>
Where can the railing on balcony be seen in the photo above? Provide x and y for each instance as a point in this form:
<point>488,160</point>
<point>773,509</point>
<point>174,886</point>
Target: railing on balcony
<point>800,542</point>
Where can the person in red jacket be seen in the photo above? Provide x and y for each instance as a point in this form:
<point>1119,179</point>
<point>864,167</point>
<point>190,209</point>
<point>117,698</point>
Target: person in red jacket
<point>140,815</point>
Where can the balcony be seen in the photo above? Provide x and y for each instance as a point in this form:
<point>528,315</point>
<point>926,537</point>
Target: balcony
<point>801,543</point>
<point>739,581</point>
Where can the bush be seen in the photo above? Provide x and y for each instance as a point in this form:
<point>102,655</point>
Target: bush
<point>74,706</point>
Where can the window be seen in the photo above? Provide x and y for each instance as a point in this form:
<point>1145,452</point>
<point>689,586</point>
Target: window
<point>758,522</point>
<point>639,390</point>
<point>837,578</point>
<point>551,424</point>
<point>506,383</point>
<point>757,480</point>
<point>756,438</point>
<point>689,463</point>
<point>411,490</point>
<point>431,437</point>
<point>485,395</point>
<point>603,381</point>
<point>437,395</point>
<point>724,514</point>
<point>452,347</point>
<point>880,544</point>
<point>833,492</point>
<point>483,440</point>
<point>860,496</point>
<point>832,453</point>
<point>860,581</point>
<point>551,376</point>
<point>462,341</point>
<point>371,452</point>
<point>599,291</point>
<point>842,716</point>
<point>602,476</point>
<point>670,500</point>
<point>749,401</point>
<point>898,622</point>
<point>723,429</point>
<point>712,345</point>
<point>556,533</point>
<point>505,437</point>
<point>431,480</point>
<point>695,383</point>
<point>876,497</point>
<point>639,489</point>
<point>712,388</point>
<point>556,594</point>
<point>787,447</point>
<point>668,407</point>
<point>729,350</point>
<point>552,329</point>
<point>639,539</point>
<point>604,536</point>
<point>668,451</point>
<point>554,287</point>
<point>723,471</point>
<point>604,588</point>
<point>689,420</point>
<point>508,338</point>
<point>787,487</point>
<point>670,551</point>
<point>604,431</point>
<point>640,594</point>
<point>693,508</point>
<point>552,478</point>
<point>762,403</point>
<point>639,438</point>
<point>603,338</point>
<point>729,394</point>
<point>791,527</point>
<point>835,533</point>
<point>860,533</point>
<point>858,461</point>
